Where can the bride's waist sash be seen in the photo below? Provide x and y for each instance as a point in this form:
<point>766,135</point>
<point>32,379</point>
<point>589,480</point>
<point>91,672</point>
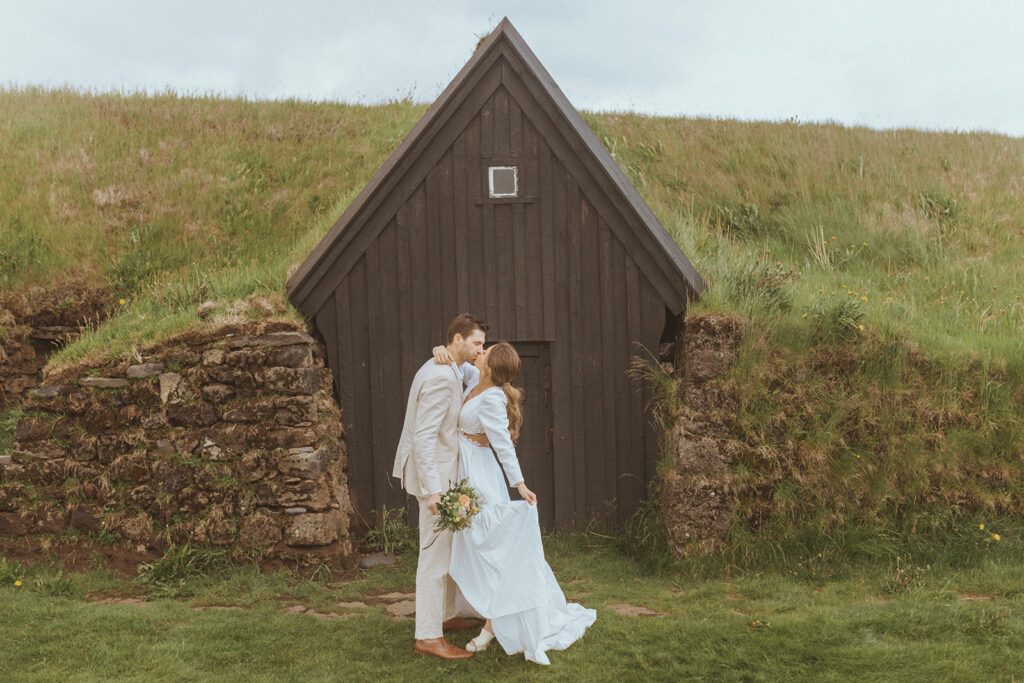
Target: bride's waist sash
<point>478,439</point>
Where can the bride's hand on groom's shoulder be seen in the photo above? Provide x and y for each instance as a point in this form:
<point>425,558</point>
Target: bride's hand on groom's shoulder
<point>528,495</point>
<point>442,357</point>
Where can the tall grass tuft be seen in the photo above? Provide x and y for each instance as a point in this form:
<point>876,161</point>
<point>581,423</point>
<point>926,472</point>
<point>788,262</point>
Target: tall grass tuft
<point>177,572</point>
<point>390,532</point>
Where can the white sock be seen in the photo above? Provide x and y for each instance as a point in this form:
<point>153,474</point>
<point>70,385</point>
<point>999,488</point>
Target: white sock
<point>481,640</point>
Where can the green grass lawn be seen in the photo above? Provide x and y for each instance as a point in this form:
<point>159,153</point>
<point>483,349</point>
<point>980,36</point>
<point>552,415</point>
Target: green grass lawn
<point>865,622</point>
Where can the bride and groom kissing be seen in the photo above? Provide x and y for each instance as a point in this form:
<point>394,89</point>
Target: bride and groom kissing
<point>462,412</point>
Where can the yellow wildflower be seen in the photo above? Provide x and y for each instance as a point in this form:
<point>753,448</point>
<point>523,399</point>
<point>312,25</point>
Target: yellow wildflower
<point>863,298</point>
<point>17,582</point>
<point>981,527</point>
<point>804,315</point>
<point>995,536</point>
<point>121,301</point>
<point>860,327</point>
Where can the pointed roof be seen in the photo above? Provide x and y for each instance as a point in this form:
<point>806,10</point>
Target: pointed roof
<point>679,280</point>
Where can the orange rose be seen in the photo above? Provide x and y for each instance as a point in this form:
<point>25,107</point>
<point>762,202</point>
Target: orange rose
<point>464,500</point>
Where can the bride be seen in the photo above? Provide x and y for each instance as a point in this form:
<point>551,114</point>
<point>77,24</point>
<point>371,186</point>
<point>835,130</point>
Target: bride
<point>498,563</point>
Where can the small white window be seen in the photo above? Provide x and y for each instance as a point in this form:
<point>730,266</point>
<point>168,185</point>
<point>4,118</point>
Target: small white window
<point>504,181</point>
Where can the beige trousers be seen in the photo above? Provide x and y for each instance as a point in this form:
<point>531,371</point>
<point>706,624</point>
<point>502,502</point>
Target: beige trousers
<point>435,590</point>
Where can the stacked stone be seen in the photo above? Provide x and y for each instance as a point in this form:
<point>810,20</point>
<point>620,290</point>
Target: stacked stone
<point>232,439</point>
<point>696,502</point>
<point>23,352</point>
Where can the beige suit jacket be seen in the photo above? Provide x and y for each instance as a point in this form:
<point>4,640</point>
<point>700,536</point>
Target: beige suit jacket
<point>428,451</point>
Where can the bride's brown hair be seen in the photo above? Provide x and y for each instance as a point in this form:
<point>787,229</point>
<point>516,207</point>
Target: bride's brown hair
<point>504,364</point>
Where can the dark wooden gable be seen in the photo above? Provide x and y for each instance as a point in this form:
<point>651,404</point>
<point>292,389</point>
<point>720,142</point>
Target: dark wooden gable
<point>575,271</point>
<point>503,59</point>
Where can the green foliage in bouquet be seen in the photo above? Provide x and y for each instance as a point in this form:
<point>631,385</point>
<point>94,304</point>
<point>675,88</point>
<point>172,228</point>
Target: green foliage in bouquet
<point>459,504</point>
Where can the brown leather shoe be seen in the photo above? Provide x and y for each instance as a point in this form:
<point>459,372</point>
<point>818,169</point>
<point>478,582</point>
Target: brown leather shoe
<point>462,624</point>
<point>442,649</point>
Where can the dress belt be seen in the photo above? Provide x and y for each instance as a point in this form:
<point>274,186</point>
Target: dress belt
<point>478,439</point>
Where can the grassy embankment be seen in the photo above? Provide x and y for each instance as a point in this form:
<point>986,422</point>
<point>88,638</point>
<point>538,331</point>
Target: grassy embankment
<point>883,384</point>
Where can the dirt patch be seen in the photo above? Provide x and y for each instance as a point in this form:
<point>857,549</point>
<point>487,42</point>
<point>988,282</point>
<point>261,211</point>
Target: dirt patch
<point>302,609</point>
<point>403,609</point>
<point>394,597</point>
<point>311,561</point>
<point>626,609</point>
<point>135,602</point>
<point>398,605</point>
<point>71,301</point>
<point>76,556</point>
<point>81,555</point>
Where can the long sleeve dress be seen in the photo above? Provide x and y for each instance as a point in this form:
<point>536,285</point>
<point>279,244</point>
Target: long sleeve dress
<point>498,563</point>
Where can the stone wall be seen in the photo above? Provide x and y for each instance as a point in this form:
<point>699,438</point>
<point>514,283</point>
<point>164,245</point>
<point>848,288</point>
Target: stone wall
<point>696,494</point>
<point>23,353</point>
<point>230,437</point>
<point>38,320</point>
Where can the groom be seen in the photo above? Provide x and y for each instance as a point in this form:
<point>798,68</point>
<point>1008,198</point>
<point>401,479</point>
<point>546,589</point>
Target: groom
<point>427,463</point>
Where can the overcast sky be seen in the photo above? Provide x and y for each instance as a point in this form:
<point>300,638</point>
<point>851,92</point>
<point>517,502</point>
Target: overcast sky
<point>934,64</point>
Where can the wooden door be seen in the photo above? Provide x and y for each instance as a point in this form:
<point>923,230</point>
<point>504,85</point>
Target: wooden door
<point>535,447</point>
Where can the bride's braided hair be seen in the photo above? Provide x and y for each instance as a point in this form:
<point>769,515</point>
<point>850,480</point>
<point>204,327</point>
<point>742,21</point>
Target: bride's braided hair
<point>504,363</point>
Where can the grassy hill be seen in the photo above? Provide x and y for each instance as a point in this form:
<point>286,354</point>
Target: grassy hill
<point>883,385</point>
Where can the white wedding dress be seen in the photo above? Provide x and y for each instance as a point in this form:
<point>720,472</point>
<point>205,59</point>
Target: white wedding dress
<point>498,563</point>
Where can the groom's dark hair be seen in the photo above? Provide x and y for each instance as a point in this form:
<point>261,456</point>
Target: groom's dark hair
<point>464,324</point>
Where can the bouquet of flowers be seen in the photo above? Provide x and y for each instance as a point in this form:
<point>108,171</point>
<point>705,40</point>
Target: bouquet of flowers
<point>459,504</point>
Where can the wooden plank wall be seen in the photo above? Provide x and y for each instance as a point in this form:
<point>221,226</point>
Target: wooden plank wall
<point>547,268</point>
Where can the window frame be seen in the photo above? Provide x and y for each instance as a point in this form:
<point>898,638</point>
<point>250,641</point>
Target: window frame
<point>515,182</point>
